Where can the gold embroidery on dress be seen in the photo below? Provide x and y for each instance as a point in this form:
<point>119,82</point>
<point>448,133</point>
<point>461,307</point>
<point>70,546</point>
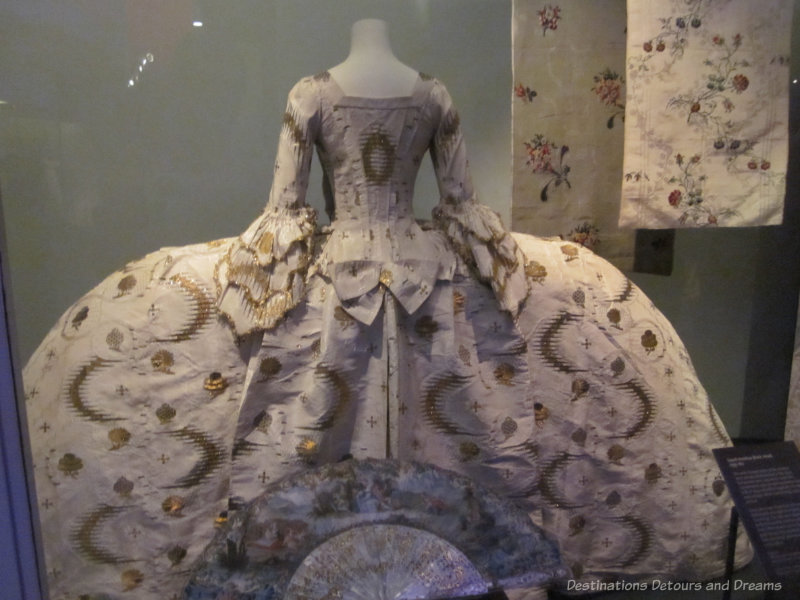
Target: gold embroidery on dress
<point>79,318</point>
<point>642,536</point>
<point>131,579</point>
<point>343,396</point>
<point>202,308</point>
<point>434,393</point>
<point>114,339</point>
<point>215,383</point>
<point>269,367</point>
<point>292,128</point>
<point>570,252</point>
<point>547,344</point>
<point>211,456</point>
<point>547,486</point>
<point>70,465</point>
<point>119,437</point>
<point>649,341</point>
<point>426,327</point>
<point>125,285</point>
<point>647,407</point>
<point>509,427</point>
<point>540,413</point>
<point>162,361</point>
<point>535,271</point>
<point>307,449</point>
<point>85,537</point>
<point>176,554</point>
<point>123,487</point>
<point>74,392</point>
<point>626,293</point>
<point>468,451</point>
<point>386,277</point>
<point>377,156</point>
<point>165,413</point>
<point>173,505</point>
<point>615,453</point>
<point>265,242</point>
<point>504,374</point>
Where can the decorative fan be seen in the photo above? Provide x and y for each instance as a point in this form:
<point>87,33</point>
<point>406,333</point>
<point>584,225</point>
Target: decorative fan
<point>385,562</point>
<point>374,529</point>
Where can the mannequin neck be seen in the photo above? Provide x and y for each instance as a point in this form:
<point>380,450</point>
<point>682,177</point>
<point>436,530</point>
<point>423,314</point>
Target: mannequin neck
<point>371,69</point>
<point>369,40</point>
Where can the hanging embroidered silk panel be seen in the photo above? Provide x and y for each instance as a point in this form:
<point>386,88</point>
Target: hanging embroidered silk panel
<point>706,136</point>
<point>568,110</point>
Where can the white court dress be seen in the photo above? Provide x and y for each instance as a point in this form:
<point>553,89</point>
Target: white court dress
<point>189,381</point>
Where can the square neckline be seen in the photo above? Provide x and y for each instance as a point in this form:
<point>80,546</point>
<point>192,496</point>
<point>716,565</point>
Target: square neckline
<point>370,101</point>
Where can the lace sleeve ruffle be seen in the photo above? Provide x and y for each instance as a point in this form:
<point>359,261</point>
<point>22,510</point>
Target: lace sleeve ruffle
<point>483,242</point>
<point>263,274</point>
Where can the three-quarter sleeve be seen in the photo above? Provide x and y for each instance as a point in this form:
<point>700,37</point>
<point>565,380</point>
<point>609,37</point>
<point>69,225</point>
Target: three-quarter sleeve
<point>475,230</point>
<point>263,274</point>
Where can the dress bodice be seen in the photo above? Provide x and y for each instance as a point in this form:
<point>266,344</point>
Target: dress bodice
<point>371,150</point>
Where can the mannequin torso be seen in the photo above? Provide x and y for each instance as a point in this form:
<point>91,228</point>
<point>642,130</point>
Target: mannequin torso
<point>371,70</point>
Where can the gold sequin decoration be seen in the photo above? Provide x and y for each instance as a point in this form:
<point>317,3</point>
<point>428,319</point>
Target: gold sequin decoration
<point>386,277</point>
<point>70,465</point>
<point>162,361</point>
<point>504,374</point>
<point>119,437</point>
<point>131,579</point>
<point>173,505</point>
<point>215,383</point>
<point>307,450</point>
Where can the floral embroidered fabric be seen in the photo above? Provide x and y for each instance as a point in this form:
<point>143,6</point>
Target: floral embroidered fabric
<point>706,136</point>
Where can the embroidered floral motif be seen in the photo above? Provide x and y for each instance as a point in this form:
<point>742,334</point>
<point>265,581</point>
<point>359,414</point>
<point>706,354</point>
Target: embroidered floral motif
<point>526,93</point>
<point>546,157</point>
<point>549,17</point>
<point>688,197</point>
<point>608,89</point>
<point>586,234</point>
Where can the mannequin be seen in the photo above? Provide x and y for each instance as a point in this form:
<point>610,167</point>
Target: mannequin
<point>371,70</point>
